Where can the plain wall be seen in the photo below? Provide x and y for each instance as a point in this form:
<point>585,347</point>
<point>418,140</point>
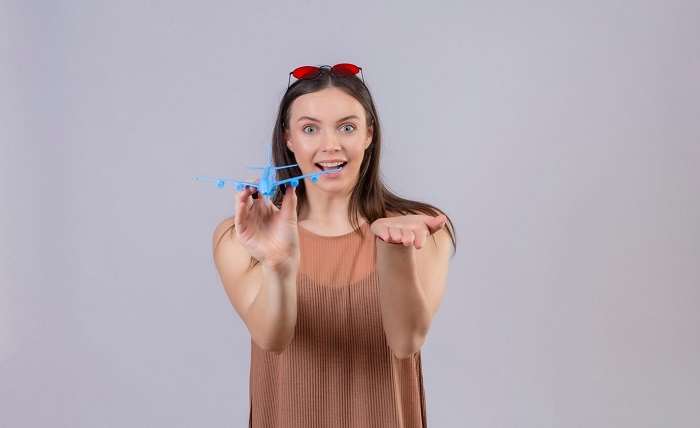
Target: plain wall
<point>562,138</point>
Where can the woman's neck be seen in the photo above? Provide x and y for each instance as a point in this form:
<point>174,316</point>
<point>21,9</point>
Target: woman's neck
<point>334,222</point>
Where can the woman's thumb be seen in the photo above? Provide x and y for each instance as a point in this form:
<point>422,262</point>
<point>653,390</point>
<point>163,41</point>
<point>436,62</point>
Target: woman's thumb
<point>437,222</point>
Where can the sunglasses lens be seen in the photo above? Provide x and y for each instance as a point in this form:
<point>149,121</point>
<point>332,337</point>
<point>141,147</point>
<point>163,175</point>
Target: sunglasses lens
<point>346,69</point>
<point>305,72</point>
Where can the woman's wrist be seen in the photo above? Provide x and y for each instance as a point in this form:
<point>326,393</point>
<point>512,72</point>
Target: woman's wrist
<point>283,267</point>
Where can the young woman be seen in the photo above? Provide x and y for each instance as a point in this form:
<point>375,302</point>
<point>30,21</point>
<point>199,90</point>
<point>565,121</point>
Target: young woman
<point>336,281</point>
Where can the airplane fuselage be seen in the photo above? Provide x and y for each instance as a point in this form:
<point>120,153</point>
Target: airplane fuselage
<point>267,178</point>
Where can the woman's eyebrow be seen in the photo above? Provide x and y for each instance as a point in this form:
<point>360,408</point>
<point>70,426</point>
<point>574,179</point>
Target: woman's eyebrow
<point>316,120</point>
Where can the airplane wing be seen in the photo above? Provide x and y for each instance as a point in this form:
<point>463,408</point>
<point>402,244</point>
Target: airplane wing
<point>312,175</point>
<point>221,182</point>
<point>286,166</point>
<point>275,168</point>
<point>247,183</point>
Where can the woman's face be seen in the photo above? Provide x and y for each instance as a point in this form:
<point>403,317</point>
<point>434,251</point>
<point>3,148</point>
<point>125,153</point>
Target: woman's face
<point>324,126</point>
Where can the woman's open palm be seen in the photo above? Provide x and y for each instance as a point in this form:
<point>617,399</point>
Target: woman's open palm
<point>270,234</point>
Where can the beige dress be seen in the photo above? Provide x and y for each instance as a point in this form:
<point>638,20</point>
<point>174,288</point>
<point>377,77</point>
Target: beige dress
<point>338,371</point>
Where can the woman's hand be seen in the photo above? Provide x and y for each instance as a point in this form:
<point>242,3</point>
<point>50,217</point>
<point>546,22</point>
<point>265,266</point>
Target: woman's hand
<point>269,233</point>
<point>407,229</point>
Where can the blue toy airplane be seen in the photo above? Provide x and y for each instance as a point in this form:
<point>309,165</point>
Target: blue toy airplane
<point>268,180</point>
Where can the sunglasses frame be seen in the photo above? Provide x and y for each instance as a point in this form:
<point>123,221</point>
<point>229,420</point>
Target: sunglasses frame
<point>331,69</point>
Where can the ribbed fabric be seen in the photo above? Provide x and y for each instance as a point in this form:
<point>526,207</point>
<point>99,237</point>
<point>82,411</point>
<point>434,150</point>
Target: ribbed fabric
<point>338,371</point>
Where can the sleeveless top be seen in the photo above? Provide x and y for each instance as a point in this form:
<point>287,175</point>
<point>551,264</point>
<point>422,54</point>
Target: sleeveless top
<point>338,371</point>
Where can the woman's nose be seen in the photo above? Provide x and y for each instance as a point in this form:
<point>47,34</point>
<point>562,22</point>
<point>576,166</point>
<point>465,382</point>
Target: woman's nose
<point>329,143</point>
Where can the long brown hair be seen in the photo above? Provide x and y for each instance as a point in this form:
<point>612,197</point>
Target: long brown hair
<point>369,197</point>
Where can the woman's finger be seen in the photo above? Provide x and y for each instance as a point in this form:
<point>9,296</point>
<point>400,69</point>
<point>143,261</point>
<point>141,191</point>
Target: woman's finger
<point>420,238</point>
<point>394,234</point>
<point>242,209</point>
<point>257,202</point>
<point>289,202</point>
<point>407,237</point>
<point>384,234</point>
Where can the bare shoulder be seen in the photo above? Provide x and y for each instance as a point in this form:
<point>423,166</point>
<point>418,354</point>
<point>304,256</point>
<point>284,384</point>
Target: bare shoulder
<point>225,229</point>
<point>435,253</point>
<point>444,242</point>
<point>232,263</point>
<point>229,254</point>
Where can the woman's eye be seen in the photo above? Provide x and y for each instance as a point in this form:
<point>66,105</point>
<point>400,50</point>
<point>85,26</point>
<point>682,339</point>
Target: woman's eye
<point>347,125</point>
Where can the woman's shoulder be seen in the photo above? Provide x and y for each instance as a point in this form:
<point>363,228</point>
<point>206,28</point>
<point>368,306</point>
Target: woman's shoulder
<point>221,228</point>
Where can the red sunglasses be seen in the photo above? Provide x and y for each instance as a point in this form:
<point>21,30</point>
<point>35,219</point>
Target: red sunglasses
<point>309,72</point>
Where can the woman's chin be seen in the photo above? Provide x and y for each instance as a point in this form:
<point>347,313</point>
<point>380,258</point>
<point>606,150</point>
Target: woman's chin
<point>339,183</point>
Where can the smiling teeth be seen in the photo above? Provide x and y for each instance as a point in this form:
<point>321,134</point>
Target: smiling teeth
<point>331,165</point>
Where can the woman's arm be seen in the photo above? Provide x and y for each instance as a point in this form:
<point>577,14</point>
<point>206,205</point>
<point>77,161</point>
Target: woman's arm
<point>412,283</point>
<point>265,297</point>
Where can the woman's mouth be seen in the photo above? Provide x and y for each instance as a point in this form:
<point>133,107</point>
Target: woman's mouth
<point>327,166</point>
